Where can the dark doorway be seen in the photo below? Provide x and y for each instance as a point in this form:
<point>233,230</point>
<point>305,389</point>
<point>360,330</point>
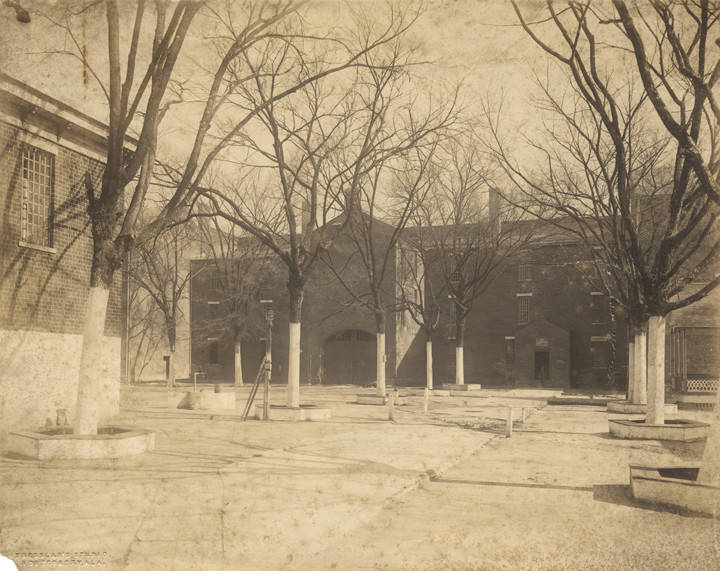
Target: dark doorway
<point>542,366</point>
<point>349,358</point>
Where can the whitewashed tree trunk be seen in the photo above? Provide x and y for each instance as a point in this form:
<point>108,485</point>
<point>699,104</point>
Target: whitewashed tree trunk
<point>293,397</point>
<point>640,368</point>
<point>428,364</point>
<point>631,371</point>
<point>380,363</point>
<point>171,368</point>
<point>656,370</point>
<point>238,375</point>
<point>87,409</point>
<point>459,366</point>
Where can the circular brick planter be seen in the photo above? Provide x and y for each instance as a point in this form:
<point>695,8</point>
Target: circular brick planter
<point>674,429</point>
<point>626,407</point>
<point>110,442</point>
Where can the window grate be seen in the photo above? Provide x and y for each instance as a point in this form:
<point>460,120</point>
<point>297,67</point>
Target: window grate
<point>37,196</point>
<point>524,272</point>
<point>523,309</point>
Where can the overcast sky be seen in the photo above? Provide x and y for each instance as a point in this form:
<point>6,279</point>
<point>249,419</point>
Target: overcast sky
<point>477,42</point>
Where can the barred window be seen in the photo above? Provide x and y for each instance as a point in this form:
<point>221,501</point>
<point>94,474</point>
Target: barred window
<point>38,168</point>
<point>524,272</point>
<point>523,309</point>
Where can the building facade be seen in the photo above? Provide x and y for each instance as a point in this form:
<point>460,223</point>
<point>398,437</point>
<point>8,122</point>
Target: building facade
<point>45,256</point>
<point>338,335</point>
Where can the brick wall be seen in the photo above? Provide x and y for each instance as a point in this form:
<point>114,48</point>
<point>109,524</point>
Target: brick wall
<point>39,290</point>
<point>561,295</point>
<point>43,294</point>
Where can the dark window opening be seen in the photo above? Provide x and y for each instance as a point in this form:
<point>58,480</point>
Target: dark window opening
<point>213,353</point>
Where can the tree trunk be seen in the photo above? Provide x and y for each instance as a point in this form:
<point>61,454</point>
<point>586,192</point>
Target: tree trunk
<point>172,336</point>
<point>459,357</point>
<point>171,368</point>
<point>640,369</point>
<point>296,299</point>
<point>631,371</point>
<point>380,352</point>
<point>656,370</point>
<point>238,374</point>
<point>87,409</point>
<point>429,364</point>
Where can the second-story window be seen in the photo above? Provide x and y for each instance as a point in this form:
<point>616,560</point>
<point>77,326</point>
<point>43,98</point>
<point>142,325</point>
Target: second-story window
<point>524,272</point>
<point>524,308</point>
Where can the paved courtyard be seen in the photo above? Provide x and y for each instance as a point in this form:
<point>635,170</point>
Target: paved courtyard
<point>446,490</point>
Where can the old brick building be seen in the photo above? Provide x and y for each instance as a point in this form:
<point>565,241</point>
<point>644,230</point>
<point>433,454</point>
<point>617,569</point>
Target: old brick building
<point>338,336</point>
<point>45,255</point>
<point>540,324</point>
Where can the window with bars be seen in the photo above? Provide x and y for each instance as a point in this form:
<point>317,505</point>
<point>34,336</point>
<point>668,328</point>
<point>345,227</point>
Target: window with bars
<point>524,309</point>
<point>38,168</point>
<point>524,272</point>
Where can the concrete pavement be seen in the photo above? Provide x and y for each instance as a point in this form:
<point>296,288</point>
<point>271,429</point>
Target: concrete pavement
<point>442,491</point>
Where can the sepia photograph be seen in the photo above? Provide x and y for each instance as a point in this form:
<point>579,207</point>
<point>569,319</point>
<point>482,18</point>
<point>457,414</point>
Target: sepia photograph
<point>388,285</point>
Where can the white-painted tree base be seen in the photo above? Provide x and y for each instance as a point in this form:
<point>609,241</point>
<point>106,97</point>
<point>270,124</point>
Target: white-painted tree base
<point>429,364</point>
<point>640,369</point>
<point>89,385</point>
<point>293,396</point>
<point>380,364</point>
<point>459,366</point>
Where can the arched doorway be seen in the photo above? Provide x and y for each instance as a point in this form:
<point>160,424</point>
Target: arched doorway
<point>349,358</point>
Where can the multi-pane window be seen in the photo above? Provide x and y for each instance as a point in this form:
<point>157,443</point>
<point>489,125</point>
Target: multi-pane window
<point>524,272</point>
<point>524,308</point>
<point>37,196</point>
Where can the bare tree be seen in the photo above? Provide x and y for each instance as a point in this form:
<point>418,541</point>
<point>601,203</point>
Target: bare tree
<point>318,148</point>
<point>679,66</point>
<point>633,196</point>
<point>238,263</point>
<point>392,190</point>
<point>145,331</point>
<point>419,295</point>
<point>139,95</point>
<point>468,232</point>
<point>158,267</point>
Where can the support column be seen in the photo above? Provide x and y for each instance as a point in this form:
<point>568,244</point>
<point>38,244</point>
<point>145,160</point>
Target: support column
<point>640,371</point>
<point>656,370</point>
